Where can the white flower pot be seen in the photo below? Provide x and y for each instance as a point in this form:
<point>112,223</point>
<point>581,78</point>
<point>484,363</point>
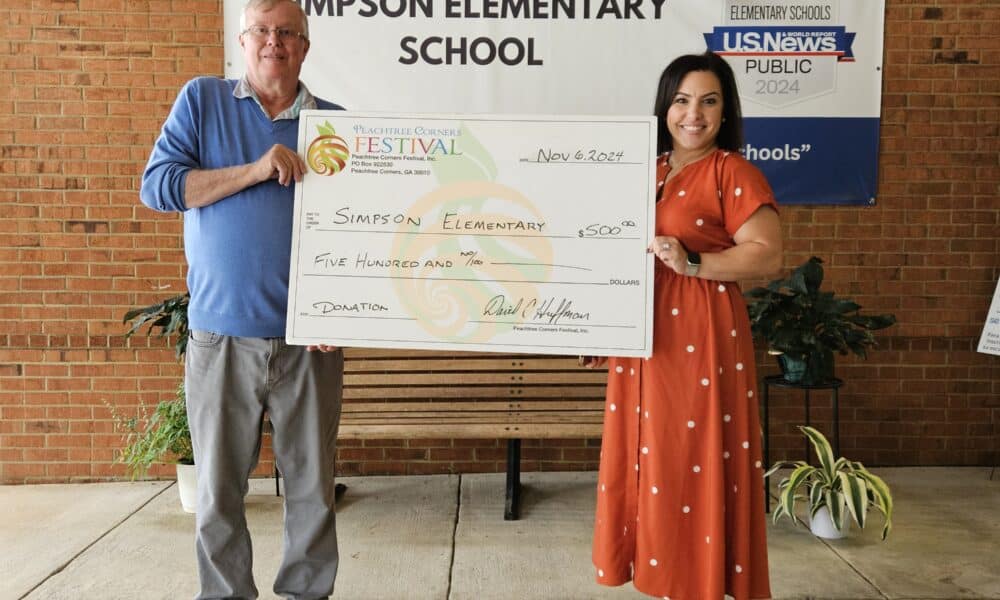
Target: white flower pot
<point>187,487</point>
<point>822,525</point>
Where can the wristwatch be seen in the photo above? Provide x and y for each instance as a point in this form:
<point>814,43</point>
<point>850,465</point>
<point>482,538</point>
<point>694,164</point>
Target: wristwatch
<point>693,263</point>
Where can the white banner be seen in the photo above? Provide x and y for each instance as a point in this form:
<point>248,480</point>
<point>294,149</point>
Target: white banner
<point>503,234</point>
<point>809,72</point>
<point>583,56</point>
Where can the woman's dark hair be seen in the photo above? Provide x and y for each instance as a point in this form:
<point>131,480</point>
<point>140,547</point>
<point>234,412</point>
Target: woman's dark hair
<point>731,130</point>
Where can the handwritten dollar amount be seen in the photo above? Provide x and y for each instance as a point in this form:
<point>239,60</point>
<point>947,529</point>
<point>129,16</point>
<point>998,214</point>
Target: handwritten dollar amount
<point>597,230</point>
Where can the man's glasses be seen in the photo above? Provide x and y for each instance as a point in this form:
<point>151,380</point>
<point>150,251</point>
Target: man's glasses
<point>284,34</point>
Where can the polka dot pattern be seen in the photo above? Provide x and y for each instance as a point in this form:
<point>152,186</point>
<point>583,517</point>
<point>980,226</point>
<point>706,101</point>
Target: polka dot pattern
<point>694,382</point>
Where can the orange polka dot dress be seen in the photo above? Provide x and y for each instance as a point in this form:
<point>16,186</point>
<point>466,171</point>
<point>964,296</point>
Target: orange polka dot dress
<point>680,498</point>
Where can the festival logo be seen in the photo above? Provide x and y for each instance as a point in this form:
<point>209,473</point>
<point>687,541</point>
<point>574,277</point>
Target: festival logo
<point>783,51</point>
<point>328,154</point>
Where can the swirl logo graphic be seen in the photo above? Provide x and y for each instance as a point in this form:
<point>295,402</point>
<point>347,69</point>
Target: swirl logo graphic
<point>449,305</point>
<point>328,154</point>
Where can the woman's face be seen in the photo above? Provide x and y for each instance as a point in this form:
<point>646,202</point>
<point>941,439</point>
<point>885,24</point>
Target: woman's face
<point>695,113</point>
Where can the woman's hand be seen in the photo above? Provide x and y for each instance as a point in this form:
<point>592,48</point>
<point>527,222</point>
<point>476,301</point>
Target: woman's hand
<point>669,250</point>
<point>757,253</point>
<point>592,362</point>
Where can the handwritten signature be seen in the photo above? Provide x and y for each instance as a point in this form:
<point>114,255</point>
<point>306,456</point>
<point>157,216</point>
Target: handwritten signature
<point>550,310</point>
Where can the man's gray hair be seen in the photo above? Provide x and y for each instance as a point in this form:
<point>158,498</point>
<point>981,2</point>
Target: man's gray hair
<point>266,5</point>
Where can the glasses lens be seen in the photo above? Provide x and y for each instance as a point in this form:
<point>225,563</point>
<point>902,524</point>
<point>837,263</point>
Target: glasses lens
<point>262,32</point>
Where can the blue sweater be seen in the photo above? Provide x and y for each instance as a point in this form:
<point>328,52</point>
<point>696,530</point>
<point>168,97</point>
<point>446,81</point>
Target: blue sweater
<point>238,248</point>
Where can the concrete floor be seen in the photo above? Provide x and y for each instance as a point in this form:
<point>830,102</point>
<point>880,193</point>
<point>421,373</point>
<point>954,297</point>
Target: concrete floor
<point>443,537</point>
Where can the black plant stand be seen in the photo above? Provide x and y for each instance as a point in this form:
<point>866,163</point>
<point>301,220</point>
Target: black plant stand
<point>779,381</point>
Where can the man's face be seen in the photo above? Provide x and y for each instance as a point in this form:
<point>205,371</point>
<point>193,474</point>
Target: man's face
<point>270,57</point>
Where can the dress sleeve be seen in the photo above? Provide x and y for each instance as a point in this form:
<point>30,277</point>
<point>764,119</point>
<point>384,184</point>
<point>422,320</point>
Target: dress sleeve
<point>744,189</point>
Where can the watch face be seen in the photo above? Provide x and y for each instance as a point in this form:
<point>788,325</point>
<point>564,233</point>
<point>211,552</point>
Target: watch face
<point>694,258</point>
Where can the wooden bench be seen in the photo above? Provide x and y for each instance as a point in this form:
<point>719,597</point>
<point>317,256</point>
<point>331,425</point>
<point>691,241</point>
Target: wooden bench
<point>406,394</point>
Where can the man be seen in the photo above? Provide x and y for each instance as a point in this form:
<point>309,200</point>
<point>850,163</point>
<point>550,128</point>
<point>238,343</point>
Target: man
<point>226,159</point>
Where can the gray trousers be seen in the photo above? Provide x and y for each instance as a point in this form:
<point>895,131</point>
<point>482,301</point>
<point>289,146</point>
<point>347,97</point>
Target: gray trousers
<point>230,382</point>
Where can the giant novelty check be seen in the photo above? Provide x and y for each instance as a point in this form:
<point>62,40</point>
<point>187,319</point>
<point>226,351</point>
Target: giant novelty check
<point>486,233</point>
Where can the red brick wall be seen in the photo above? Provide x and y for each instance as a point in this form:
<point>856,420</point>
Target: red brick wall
<point>86,84</point>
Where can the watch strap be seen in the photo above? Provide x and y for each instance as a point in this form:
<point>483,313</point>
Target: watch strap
<point>693,264</point>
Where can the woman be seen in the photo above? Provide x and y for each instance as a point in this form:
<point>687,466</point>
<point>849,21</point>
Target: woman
<point>680,500</point>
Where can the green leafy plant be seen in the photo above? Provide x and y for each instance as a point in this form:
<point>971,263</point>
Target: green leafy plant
<point>160,436</point>
<point>169,316</point>
<point>836,483</point>
<point>163,435</point>
<point>805,326</point>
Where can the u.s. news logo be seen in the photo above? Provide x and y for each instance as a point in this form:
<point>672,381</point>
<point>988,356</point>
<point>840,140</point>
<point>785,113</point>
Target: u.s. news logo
<point>782,41</point>
<point>780,53</point>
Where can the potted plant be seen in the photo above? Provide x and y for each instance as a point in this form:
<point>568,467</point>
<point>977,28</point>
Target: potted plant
<point>162,436</point>
<point>830,487</point>
<point>804,326</point>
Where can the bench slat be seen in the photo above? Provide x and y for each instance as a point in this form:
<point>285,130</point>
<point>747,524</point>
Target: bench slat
<point>496,406</point>
<point>404,379</point>
<point>560,363</point>
<point>590,391</point>
<point>355,353</point>
<point>382,430</point>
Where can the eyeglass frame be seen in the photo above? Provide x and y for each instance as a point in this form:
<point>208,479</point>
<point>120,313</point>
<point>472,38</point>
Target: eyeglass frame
<point>284,33</point>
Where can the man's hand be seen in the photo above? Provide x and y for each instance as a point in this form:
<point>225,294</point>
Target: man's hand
<point>322,348</point>
<point>280,163</point>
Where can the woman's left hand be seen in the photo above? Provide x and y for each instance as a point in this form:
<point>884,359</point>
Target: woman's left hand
<point>669,250</point>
